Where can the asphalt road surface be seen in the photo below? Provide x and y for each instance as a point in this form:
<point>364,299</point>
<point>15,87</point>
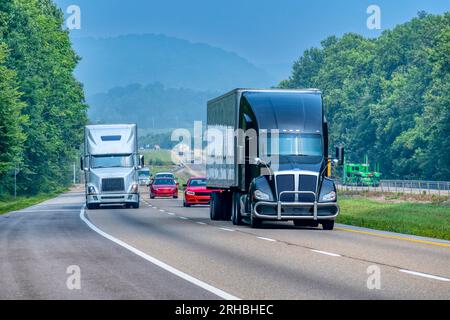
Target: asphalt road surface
<point>165,251</point>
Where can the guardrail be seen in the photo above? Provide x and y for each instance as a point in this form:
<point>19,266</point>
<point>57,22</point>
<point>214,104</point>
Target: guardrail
<point>440,188</point>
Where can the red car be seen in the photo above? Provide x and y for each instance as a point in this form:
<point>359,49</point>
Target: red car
<point>195,192</point>
<point>164,187</point>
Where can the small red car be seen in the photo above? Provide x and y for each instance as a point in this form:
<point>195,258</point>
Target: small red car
<point>195,192</point>
<point>164,187</point>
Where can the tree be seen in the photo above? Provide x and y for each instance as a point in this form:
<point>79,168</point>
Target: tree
<point>11,121</point>
<point>40,52</point>
<point>387,97</point>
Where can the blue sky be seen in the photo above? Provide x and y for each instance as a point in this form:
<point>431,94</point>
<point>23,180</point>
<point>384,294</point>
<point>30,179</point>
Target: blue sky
<point>266,32</point>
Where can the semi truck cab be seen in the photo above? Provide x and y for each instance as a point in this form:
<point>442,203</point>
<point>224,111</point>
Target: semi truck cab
<point>279,167</point>
<point>111,163</point>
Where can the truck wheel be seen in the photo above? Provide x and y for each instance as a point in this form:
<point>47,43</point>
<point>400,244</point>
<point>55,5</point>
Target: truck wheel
<point>328,224</point>
<point>215,210</point>
<point>135,205</point>
<point>236,217</point>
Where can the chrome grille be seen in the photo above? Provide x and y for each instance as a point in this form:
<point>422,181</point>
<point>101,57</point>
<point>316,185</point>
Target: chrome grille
<point>285,182</point>
<point>113,184</point>
<point>307,183</point>
<point>296,181</point>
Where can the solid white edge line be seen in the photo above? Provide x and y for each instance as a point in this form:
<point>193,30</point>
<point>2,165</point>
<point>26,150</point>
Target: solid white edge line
<point>267,239</point>
<point>425,275</point>
<point>326,253</point>
<point>157,262</point>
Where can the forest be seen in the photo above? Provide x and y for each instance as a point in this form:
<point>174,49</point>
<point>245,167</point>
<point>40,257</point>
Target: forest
<point>42,108</point>
<point>387,97</point>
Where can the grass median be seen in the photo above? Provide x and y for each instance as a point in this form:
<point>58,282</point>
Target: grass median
<point>8,203</point>
<point>429,219</point>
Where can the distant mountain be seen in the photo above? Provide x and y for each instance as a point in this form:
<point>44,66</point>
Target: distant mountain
<point>152,106</point>
<point>112,62</point>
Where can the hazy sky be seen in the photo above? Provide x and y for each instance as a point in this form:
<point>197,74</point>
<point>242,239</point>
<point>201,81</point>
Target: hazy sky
<point>263,31</point>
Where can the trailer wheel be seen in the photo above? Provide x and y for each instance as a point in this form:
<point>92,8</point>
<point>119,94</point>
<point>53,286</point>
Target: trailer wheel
<point>328,224</point>
<point>215,210</point>
<point>236,217</point>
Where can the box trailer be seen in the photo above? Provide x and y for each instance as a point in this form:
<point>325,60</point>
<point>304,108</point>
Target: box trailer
<point>267,152</point>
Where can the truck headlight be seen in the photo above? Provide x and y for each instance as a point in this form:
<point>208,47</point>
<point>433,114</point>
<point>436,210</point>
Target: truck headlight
<point>190,193</point>
<point>258,194</point>
<point>91,190</point>
<point>134,188</point>
<point>329,196</point>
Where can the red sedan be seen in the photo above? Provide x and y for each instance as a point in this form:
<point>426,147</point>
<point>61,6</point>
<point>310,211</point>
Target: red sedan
<point>195,192</point>
<point>164,187</point>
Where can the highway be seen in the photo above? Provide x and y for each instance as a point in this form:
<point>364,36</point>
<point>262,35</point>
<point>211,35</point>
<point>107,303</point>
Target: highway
<point>165,251</point>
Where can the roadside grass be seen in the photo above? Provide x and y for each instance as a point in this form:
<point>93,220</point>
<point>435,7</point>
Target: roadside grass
<point>157,158</point>
<point>8,203</point>
<point>421,219</point>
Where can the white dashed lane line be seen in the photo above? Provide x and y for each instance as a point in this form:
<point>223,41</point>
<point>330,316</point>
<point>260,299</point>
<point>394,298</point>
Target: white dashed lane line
<point>326,253</point>
<point>267,239</point>
<point>425,275</point>
<point>201,223</point>
<point>226,229</point>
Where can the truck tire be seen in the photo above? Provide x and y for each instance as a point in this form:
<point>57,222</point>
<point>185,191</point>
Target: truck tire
<point>328,224</point>
<point>215,209</point>
<point>236,217</point>
<point>135,205</point>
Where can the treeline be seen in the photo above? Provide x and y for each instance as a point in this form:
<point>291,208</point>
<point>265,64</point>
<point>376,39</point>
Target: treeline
<point>42,109</point>
<point>388,97</point>
<point>151,106</point>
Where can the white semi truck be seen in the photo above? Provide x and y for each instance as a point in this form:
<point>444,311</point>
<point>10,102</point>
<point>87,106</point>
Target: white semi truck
<point>110,164</point>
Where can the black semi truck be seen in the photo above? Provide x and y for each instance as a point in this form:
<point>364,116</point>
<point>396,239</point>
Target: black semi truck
<point>267,158</point>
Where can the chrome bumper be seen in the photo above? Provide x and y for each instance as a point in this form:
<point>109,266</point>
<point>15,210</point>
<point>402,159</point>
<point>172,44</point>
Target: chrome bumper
<point>113,198</point>
<point>280,205</point>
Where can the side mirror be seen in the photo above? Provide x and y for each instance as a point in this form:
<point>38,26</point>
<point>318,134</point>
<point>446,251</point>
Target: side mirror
<point>340,154</point>
<point>141,160</point>
<point>81,164</point>
<point>184,185</point>
<point>335,162</point>
<point>260,162</point>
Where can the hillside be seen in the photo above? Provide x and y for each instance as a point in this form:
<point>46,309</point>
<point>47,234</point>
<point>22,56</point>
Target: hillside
<point>110,62</point>
<point>151,107</point>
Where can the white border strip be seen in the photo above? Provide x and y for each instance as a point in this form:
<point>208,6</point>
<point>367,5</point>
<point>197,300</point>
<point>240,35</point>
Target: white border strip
<point>420,274</point>
<point>157,262</point>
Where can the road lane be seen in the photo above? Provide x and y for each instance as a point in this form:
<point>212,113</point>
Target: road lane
<point>379,250</point>
<point>37,246</point>
<point>246,264</point>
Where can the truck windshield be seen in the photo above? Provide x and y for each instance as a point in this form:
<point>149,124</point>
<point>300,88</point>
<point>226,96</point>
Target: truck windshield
<point>112,161</point>
<point>296,144</point>
<point>144,174</point>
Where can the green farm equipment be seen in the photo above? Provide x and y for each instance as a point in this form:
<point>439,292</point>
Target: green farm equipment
<point>359,174</point>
